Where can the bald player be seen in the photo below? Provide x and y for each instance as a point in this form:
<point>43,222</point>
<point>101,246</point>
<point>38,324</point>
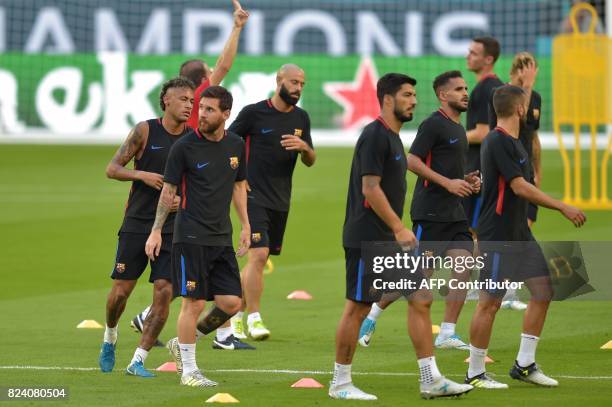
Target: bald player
<point>276,132</point>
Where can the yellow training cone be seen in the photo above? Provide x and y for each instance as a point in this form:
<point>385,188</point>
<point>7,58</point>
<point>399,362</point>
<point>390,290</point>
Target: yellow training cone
<point>90,323</point>
<point>222,398</point>
<point>435,329</point>
<point>608,345</point>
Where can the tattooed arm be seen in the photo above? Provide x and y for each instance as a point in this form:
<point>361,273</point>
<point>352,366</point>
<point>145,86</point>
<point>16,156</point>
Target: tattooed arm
<point>132,147</point>
<point>164,207</point>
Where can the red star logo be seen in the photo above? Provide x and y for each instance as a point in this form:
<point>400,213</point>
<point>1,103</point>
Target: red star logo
<point>358,98</point>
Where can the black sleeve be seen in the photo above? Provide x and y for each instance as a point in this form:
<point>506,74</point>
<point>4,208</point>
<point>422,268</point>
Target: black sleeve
<point>306,132</point>
<point>175,164</point>
<point>242,124</point>
<point>372,154</point>
<point>482,106</point>
<point>425,139</point>
<point>492,115</point>
<point>537,109</point>
<point>242,165</point>
<point>506,159</point>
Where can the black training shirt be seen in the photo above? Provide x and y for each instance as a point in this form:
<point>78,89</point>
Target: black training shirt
<point>442,144</point>
<point>142,202</point>
<point>504,214</point>
<point>270,166</point>
<point>379,151</point>
<point>205,173</point>
<point>478,113</point>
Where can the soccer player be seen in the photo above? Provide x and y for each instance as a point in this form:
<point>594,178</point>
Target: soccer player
<point>523,73</point>
<point>200,74</point>
<point>276,132</point>
<point>482,55</point>
<point>209,166</point>
<point>148,144</point>
<point>437,156</point>
<point>377,191</point>
<point>506,193</point>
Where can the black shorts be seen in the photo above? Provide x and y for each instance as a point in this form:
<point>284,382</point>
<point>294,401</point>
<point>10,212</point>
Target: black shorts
<point>444,235</point>
<point>518,262</point>
<point>201,272</point>
<point>532,212</point>
<point>359,283</point>
<point>472,206</point>
<point>267,227</point>
<point>131,259</point>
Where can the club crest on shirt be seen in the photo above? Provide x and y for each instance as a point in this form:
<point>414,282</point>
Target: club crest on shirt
<point>120,267</point>
<point>536,113</point>
<point>191,285</point>
<point>234,162</point>
<point>297,132</point>
<point>256,237</point>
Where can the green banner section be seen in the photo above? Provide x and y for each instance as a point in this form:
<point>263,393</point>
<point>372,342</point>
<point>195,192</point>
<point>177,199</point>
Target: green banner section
<point>109,92</point>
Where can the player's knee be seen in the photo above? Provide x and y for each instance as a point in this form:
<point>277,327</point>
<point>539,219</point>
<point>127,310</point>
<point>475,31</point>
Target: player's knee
<point>258,258</point>
<point>231,305</point>
<point>119,294</point>
<point>489,307</point>
<point>162,292</point>
<point>192,307</point>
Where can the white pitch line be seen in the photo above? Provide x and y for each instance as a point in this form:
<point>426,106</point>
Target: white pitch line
<point>282,371</point>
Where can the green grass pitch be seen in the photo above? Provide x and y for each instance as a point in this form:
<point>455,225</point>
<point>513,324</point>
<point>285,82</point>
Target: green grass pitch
<point>59,216</point>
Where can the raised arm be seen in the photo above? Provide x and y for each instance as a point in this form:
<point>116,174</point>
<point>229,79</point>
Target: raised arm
<point>226,59</point>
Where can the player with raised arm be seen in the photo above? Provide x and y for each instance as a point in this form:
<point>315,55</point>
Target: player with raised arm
<point>203,76</point>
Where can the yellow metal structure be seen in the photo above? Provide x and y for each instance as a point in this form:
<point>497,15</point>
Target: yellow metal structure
<point>582,95</point>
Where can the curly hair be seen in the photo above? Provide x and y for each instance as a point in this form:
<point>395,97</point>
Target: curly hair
<point>178,82</point>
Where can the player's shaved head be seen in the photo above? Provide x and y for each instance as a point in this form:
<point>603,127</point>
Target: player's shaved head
<point>290,80</point>
<point>195,70</point>
<point>288,70</point>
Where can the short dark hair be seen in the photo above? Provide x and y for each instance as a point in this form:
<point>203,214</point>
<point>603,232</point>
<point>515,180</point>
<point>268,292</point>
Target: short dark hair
<point>491,46</point>
<point>194,70</point>
<point>223,95</point>
<point>178,82</point>
<point>390,84</point>
<point>444,78</point>
<point>506,98</point>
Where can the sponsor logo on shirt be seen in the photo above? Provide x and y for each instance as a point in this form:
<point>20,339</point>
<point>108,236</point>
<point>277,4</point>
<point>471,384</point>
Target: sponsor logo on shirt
<point>398,157</point>
<point>234,162</point>
<point>522,160</point>
<point>202,165</point>
<point>297,132</point>
<point>453,140</point>
<point>156,147</point>
<point>191,285</point>
<point>120,267</point>
<point>266,131</point>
